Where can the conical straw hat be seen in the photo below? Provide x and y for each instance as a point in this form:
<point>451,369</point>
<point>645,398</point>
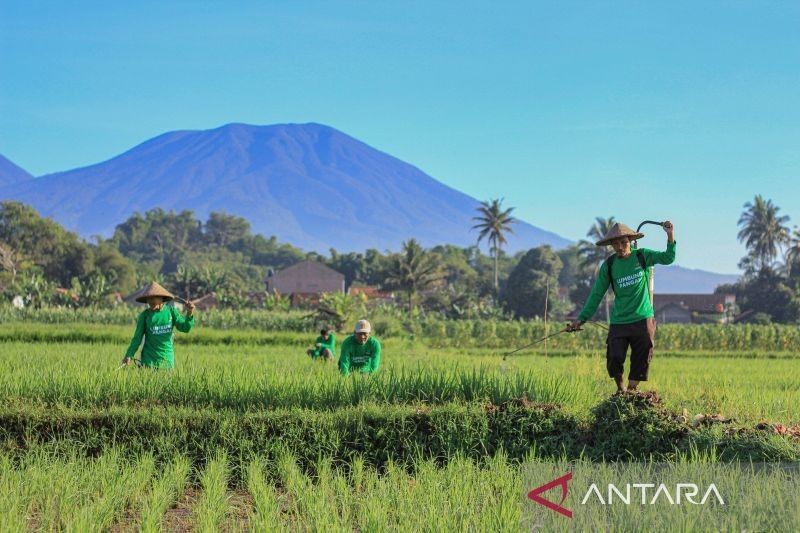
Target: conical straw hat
<point>154,289</point>
<point>619,230</point>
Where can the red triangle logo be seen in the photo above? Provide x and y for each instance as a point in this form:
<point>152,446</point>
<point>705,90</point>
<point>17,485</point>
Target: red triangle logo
<point>535,494</point>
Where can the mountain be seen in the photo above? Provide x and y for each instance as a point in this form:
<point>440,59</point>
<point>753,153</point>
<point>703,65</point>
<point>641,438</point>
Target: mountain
<point>11,173</point>
<point>308,184</point>
<point>674,279</point>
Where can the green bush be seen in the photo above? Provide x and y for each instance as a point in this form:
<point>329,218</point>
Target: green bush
<point>624,428</point>
<point>377,434</point>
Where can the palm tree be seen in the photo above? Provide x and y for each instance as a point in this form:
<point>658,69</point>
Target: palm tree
<point>412,270</point>
<point>763,231</point>
<point>493,223</point>
<point>593,255</point>
<point>792,252</point>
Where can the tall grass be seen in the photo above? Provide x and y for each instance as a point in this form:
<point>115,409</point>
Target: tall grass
<point>13,498</point>
<point>266,513</point>
<point>505,334</point>
<point>47,492</point>
<point>459,497</point>
<point>125,315</point>
<point>253,378</point>
<point>53,492</point>
<point>83,375</point>
<point>212,508</point>
<point>165,492</point>
<point>113,495</point>
<point>439,333</point>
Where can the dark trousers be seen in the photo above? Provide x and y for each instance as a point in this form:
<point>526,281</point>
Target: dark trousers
<point>640,337</point>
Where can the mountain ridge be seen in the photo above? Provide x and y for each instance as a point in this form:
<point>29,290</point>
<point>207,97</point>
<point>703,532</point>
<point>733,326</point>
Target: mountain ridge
<point>11,173</point>
<point>308,184</point>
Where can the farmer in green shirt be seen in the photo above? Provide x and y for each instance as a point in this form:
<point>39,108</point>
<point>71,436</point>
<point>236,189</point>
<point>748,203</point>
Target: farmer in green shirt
<point>360,352</point>
<point>155,325</point>
<point>632,321</point>
<point>324,346</point>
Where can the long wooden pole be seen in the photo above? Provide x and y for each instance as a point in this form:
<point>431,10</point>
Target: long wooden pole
<point>546,294</point>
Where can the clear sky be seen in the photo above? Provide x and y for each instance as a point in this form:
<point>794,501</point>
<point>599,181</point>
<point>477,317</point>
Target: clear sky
<point>568,110</point>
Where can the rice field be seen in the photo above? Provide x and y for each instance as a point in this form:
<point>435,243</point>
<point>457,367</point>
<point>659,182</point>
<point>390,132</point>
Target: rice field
<point>248,377</point>
<point>118,493</point>
<point>247,433</point>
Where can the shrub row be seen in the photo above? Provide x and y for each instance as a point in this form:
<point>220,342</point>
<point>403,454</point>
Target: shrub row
<point>378,435</point>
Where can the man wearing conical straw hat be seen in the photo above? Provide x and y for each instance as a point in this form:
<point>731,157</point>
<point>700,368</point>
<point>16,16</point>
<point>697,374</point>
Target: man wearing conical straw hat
<point>632,322</point>
<point>155,325</point>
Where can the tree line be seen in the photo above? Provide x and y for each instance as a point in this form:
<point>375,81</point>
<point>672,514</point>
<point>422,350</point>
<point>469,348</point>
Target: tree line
<point>221,254</point>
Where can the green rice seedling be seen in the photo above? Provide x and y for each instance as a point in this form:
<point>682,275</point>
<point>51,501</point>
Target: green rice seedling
<point>212,507</point>
<point>113,495</point>
<point>459,497</point>
<point>747,385</point>
<point>75,492</point>
<point>266,515</point>
<point>12,498</point>
<point>164,492</point>
<point>299,494</point>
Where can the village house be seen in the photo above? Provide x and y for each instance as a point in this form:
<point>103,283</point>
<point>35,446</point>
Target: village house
<point>305,278</point>
<point>693,308</point>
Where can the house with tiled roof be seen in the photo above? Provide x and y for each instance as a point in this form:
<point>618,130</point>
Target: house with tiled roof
<point>693,308</point>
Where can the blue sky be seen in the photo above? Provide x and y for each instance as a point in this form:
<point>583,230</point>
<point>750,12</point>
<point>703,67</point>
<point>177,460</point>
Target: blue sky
<point>568,110</point>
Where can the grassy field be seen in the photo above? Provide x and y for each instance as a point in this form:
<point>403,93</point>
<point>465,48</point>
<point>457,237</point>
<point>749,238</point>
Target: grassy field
<point>248,434</point>
<point>247,377</point>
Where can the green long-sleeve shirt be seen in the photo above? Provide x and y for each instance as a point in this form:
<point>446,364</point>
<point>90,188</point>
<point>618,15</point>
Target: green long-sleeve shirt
<point>632,299</point>
<point>365,358</point>
<point>156,328</point>
<point>321,343</point>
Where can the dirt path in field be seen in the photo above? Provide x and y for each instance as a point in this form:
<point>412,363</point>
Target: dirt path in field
<point>178,518</point>
<point>128,522</point>
<point>240,507</point>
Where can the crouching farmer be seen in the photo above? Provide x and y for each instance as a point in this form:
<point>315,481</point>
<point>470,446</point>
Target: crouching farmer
<point>360,352</point>
<point>632,322</point>
<point>324,346</point>
<point>155,325</point>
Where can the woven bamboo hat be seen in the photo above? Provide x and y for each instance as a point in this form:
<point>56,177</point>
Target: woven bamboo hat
<point>619,230</point>
<point>154,289</point>
<point>362,326</point>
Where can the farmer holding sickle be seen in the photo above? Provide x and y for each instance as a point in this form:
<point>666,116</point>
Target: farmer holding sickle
<point>632,320</point>
<point>155,324</point>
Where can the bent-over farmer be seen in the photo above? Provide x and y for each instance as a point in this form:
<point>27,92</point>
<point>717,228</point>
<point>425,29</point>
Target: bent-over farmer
<point>155,325</point>
<point>632,321</point>
<point>360,352</point>
<point>324,346</point>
